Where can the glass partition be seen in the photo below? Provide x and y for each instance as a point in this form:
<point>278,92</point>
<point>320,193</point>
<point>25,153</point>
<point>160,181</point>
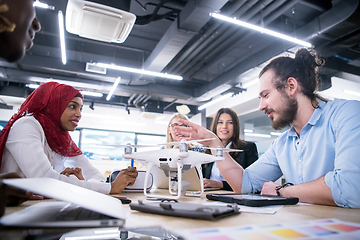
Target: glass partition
<point>143,139</point>
<point>75,135</point>
<point>99,144</point>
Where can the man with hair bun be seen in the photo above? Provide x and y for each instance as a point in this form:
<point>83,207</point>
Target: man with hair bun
<point>318,155</point>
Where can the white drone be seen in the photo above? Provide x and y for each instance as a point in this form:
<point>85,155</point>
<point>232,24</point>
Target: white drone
<point>174,161</point>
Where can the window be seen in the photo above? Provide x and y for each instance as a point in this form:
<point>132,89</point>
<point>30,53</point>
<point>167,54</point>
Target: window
<point>2,125</point>
<point>75,135</point>
<point>143,139</point>
<point>94,144</point>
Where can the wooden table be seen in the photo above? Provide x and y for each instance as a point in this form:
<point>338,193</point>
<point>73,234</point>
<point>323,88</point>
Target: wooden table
<point>286,214</point>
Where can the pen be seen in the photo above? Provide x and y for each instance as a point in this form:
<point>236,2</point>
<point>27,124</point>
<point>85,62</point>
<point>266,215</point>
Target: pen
<point>132,163</point>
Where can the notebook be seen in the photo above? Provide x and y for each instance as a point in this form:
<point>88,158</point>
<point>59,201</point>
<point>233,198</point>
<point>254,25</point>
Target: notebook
<point>191,176</point>
<point>105,211</point>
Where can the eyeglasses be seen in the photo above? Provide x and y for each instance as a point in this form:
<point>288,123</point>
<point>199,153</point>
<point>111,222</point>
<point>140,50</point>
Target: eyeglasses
<point>177,125</point>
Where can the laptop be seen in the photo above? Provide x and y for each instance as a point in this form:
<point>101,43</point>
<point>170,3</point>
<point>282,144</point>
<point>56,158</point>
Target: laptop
<point>190,176</point>
<point>79,207</point>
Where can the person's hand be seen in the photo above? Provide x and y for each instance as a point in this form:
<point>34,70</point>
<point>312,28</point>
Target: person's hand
<point>11,196</point>
<point>212,183</point>
<point>73,171</point>
<point>126,177</point>
<point>269,188</point>
<point>196,132</point>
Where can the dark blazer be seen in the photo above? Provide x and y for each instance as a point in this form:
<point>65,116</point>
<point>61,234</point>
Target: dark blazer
<point>245,159</point>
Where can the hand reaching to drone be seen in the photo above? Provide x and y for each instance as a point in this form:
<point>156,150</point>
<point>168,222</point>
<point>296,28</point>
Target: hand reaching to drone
<point>126,177</point>
<point>195,132</point>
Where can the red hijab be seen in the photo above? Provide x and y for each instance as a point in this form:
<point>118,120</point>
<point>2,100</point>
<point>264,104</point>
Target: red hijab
<point>47,103</point>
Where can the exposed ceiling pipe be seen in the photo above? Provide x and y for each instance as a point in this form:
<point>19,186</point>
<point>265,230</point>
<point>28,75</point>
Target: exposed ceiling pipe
<point>210,51</point>
<point>190,20</point>
<point>233,38</point>
<point>270,13</point>
<point>142,98</point>
<point>339,13</point>
<point>202,37</point>
<point>146,99</point>
<point>224,30</point>
<point>170,104</point>
<point>131,98</point>
<point>136,101</point>
<point>318,5</point>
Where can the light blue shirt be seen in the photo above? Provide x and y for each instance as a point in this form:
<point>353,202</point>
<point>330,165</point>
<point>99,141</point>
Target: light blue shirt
<point>329,145</point>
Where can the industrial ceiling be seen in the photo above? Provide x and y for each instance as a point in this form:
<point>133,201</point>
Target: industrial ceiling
<point>179,37</point>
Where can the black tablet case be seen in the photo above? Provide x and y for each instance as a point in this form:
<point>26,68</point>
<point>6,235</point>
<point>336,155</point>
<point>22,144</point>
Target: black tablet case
<point>275,200</point>
<point>187,210</point>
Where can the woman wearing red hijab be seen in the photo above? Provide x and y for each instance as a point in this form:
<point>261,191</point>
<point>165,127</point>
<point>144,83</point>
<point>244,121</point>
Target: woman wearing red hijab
<point>35,142</point>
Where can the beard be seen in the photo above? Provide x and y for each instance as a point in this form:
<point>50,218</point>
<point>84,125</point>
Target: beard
<point>286,115</point>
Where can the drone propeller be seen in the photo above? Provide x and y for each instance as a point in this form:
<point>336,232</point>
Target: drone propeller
<point>156,145</point>
<point>129,145</point>
<point>224,149</point>
<point>187,142</point>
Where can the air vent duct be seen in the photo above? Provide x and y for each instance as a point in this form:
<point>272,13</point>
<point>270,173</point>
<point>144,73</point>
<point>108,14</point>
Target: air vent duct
<point>91,67</point>
<point>98,22</point>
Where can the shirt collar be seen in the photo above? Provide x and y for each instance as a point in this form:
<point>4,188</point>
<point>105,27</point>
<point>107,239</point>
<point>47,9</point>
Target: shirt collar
<point>313,119</point>
<point>317,113</point>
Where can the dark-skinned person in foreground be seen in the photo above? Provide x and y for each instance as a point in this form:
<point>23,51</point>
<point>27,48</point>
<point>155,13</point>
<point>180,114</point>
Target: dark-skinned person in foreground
<point>34,143</point>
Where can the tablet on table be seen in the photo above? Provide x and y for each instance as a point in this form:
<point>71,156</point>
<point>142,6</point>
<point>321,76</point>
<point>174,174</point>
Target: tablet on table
<point>252,200</point>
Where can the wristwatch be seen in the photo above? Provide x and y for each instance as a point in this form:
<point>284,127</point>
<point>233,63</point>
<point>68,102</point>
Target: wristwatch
<point>282,186</point>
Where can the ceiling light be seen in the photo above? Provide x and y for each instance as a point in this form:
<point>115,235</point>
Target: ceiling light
<point>62,37</point>
<point>260,29</point>
<point>93,94</point>
<point>33,86</point>
<point>248,130</point>
<point>39,4</point>
<point>141,71</point>
<point>214,101</point>
<point>258,135</point>
<point>352,93</point>
<point>116,83</point>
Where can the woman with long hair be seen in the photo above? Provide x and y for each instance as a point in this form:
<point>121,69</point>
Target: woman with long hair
<point>36,142</point>
<point>227,127</point>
